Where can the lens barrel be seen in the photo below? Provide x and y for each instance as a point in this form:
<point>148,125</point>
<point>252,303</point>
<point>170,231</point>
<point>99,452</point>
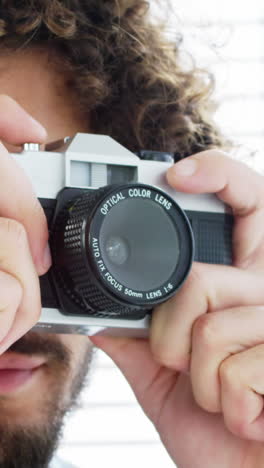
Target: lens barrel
<point>121,249</point>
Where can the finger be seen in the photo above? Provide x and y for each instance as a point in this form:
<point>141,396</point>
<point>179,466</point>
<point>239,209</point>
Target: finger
<point>214,172</point>
<point>242,390</point>
<point>16,125</point>
<point>208,288</point>
<point>148,380</point>
<point>16,260</point>
<point>11,293</point>
<point>18,202</point>
<point>17,198</point>
<point>215,337</point>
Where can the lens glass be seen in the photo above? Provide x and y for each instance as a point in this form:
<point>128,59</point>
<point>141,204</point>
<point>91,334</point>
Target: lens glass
<point>139,244</point>
<point>117,250</point>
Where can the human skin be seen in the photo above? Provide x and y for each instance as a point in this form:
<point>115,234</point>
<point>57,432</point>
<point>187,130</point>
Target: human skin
<point>30,87</point>
<point>199,378</point>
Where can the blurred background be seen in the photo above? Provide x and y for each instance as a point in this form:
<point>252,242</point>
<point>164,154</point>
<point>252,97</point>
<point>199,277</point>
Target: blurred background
<point>227,38</point>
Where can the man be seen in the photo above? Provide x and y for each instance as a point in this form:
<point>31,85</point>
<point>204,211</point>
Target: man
<point>100,66</point>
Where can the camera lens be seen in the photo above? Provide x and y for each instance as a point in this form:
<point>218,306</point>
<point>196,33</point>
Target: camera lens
<point>117,250</point>
<point>120,248</point>
<point>146,249</point>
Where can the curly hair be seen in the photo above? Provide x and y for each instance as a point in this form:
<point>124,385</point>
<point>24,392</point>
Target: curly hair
<point>125,74</point>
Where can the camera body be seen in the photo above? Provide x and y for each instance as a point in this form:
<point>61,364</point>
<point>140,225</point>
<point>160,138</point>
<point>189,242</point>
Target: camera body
<point>79,168</point>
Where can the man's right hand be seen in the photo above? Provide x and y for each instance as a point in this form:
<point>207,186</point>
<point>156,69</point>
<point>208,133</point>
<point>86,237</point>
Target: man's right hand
<point>200,376</point>
<point>24,252</point>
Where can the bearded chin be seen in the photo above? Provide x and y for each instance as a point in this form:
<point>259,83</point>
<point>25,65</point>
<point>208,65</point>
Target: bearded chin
<point>33,446</point>
<point>29,447</point>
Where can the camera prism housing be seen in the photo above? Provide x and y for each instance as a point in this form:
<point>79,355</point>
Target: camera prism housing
<point>122,240</point>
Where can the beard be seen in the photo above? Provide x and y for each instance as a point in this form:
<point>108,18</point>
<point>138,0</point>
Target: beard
<point>24,446</point>
<point>28,448</point>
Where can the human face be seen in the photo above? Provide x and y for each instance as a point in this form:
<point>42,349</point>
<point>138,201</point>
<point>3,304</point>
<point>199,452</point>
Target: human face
<point>31,409</point>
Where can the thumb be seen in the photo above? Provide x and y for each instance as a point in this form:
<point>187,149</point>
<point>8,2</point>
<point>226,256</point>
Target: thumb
<point>132,356</point>
<point>150,382</point>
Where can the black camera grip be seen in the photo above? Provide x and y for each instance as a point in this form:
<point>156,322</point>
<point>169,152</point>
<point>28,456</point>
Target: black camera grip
<point>212,236</point>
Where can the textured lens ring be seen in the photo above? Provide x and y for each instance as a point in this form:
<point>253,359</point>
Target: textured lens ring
<point>77,274</point>
<point>69,262</point>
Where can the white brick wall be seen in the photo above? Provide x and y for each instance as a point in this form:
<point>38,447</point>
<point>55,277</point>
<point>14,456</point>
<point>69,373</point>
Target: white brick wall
<point>111,429</point>
<point>228,37</point>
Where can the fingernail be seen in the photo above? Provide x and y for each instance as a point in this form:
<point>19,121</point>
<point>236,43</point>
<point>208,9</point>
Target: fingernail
<point>47,260</point>
<point>185,168</point>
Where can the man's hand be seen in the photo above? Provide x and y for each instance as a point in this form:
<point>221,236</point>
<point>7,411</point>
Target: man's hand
<point>200,377</point>
<point>23,229</point>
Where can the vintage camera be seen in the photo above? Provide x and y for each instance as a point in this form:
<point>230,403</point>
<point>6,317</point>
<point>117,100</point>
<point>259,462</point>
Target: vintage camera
<point>122,240</point>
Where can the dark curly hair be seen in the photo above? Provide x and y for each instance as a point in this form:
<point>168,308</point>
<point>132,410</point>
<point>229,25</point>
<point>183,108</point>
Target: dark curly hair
<point>127,77</point>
